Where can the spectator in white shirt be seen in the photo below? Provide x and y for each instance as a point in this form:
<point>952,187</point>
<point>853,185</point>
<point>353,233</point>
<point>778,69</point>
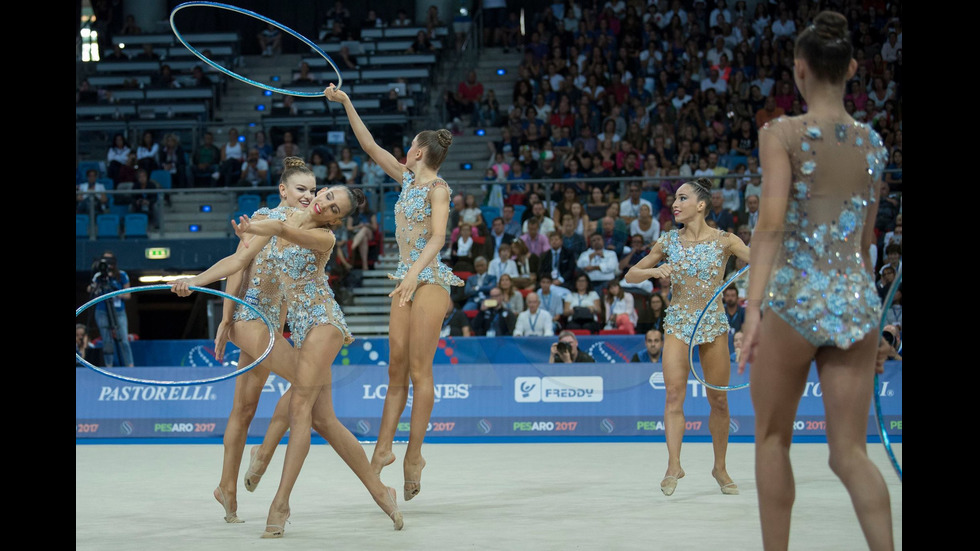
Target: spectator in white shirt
<point>534,321</point>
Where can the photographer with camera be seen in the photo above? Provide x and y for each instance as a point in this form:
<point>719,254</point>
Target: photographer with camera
<point>566,350</point>
<point>110,315</point>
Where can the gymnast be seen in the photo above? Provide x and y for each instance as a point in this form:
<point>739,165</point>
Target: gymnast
<point>695,258</point>
<point>286,264</point>
<point>421,298</point>
<point>811,290</point>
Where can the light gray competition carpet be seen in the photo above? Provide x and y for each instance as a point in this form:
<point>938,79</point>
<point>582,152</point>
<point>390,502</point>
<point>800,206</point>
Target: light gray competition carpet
<point>590,496</point>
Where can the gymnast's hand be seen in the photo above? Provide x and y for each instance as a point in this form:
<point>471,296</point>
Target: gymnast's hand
<point>332,93</point>
<point>405,290</point>
<point>267,227</point>
<point>664,270</point>
<point>181,287</point>
<point>221,339</point>
<point>750,339</point>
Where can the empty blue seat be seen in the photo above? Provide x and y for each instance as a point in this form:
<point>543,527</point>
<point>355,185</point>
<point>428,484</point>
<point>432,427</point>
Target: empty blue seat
<point>107,226</point>
<point>272,200</point>
<point>81,225</point>
<point>135,225</point>
<point>519,211</point>
<point>162,177</point>
<point>249,203</point>
<point>489,213</point>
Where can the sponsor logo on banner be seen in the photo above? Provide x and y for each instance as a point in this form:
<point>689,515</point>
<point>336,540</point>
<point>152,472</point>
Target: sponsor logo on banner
<point>156,394</point>
<point>362,427</point>
<point>484,426</point>
<point>527,389</point>
<point>441,426</point>
<point>657,380</point>
<point>173,427</point>
<point>733,425</point>
<point>812,388</point>
<point>545,426</point>
<point>126,428</point>
<point>558,389</point>
<point>650,425</point>
<point>607,425</point>
<point>276,384</point>
<point>456,391</point>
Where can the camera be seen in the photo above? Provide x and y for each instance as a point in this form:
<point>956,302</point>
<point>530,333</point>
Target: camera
<point>562,348</point>
<point>889,337</point>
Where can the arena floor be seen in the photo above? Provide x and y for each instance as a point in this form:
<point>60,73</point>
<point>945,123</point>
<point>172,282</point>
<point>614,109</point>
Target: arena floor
<point>601,496</point>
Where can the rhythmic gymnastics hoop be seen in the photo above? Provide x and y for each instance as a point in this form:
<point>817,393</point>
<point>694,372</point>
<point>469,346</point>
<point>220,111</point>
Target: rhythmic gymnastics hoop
<point>249,367</point>
<point>878,416</point>
<point>234,75</point>
<point>690,346</point>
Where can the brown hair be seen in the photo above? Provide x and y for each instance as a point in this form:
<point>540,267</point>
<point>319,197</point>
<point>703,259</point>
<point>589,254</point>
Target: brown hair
<point>292,166</point>
<point>436,144</point>
<point>826,46</point>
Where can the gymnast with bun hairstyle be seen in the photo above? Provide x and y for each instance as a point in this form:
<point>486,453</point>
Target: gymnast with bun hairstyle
<point>811,292</point>
<point>420,300</point>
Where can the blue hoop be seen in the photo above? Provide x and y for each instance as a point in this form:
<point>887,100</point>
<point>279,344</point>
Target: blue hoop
<point>301,38</point>
<point>878,416</point>
<point>690,347</point>
<point>249,367</point>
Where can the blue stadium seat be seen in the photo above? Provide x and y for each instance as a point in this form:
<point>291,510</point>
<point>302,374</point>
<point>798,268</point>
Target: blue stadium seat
<point>135,225</point>
<point>654,199</point>
<point>249,203</point>
<point>519,211</point>
<point>84,166</point>
<point>162,177</point>
<point>81,226</point>
<point>107,226</point>
<point>489,213</point>
<point>272,200</point>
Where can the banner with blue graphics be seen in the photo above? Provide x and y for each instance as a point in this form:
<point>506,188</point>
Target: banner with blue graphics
<point>472,400</point>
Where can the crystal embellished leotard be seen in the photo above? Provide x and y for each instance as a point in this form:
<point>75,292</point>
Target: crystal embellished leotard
<point>697,270</point>
<point>413,229</point>
<point>260,285</point>
<point>305,289</point>
<point>820,283</point>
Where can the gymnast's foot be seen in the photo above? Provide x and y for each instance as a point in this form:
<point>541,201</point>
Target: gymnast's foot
<point>275,525</point>
<point>381,460</point>
<point>256,468</point>
<point>728,487</point>
<point>413,478</point>
<point>230,505</point>
<point>669,483</point>
<point>391,508</point>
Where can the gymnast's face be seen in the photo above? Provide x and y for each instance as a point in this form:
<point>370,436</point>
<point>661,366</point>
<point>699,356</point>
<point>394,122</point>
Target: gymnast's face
<point>299,191</point>
<point>414,155</point>
<point>331,204</point>
<point>686,204</point>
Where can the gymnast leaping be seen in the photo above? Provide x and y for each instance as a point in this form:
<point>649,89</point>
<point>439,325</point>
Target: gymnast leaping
<point>420,300</point>
<point>286,262</point>
<point>695,256</point>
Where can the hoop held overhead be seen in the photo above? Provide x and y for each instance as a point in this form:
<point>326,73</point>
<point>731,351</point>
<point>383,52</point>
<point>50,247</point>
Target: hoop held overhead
<point>249,367</point>
<point>234,75</point>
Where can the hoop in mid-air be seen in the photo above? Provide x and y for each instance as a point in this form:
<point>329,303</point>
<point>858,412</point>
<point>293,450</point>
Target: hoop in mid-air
<point>690,347</point>
<point>249,367</point>
<point>232,74</point>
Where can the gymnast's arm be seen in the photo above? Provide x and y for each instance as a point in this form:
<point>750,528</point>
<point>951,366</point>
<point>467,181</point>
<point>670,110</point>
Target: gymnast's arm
<point>318,239</point>
<point>223,268</point>
<point>645,269</point>
<point>738,247</point>
<point>776,177</point>
<point>385,160</point>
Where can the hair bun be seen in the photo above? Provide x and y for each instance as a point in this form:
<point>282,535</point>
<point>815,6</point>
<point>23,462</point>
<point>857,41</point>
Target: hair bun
<point>830,25</point>
<point>445,138</point>
<point>358,196</point>
<point>293,162</point>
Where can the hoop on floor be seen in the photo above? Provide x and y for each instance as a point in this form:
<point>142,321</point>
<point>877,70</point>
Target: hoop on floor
<point>690,346</point>
<point>249,367</point>
<point>878,416</point>
<point>234,75</point>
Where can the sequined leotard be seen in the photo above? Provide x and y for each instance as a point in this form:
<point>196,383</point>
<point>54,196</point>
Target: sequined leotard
<point>697,270</point>
<point>413,229</point>
<point>261,285</point>
<point>305,289</point>
<point>820,283</point>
